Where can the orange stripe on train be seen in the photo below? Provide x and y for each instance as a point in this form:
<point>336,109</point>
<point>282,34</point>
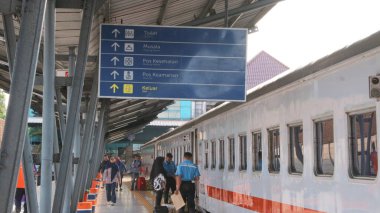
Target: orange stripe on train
<point>254,203</point>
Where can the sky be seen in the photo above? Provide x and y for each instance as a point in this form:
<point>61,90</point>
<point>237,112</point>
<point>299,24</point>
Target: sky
<point>297,32</point>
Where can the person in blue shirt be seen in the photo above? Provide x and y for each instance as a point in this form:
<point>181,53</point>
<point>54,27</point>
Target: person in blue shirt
<point>187,175</point>
<point>135,171</point>
<point>122,169</point>
<point>170,169</point>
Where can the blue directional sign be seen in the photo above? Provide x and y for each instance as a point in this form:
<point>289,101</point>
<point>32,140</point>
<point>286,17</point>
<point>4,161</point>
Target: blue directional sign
<point>156,62</point>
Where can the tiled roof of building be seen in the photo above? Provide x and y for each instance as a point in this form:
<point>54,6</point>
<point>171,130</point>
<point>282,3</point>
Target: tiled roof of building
<point>262,68</point>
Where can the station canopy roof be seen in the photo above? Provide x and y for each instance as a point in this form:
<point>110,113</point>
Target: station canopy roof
<point>129,116</point>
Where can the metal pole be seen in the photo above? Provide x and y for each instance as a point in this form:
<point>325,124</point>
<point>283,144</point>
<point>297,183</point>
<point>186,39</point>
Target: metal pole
<point>20,97</point>
<point>56,150</point>
<point>226,13</point>
<point>84,154</point>
<point>48,113</point>
<point>86,173</point>
<point>61,117</point>
<point>77,88</point>
<point>100,139</point>
<point>69,186</point>
<point>30,184</point>
<point>95,148</point>
<point>10,38</point>
<point>27,160</point>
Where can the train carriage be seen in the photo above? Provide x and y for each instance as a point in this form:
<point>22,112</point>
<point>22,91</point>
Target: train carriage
<point>305,141</point>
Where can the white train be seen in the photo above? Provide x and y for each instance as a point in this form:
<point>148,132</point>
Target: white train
<point>305,141</point>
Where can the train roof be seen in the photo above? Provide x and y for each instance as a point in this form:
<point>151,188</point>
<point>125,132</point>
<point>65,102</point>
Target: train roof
<point>283,79</point>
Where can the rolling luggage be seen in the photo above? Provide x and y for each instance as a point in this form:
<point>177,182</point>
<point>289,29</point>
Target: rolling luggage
<point>141,183</point>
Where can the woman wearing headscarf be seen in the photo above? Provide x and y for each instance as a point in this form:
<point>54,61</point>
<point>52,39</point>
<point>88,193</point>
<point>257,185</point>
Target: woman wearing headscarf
<point>158,179</point>
<point>111,177</point>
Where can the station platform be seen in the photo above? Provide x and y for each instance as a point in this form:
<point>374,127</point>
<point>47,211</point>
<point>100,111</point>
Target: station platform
<point>127,200</point>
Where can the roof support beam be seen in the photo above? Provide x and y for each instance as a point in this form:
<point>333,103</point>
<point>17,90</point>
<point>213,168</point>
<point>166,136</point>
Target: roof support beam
<point>9,6</point>
<point>74,108</point>
<point>21,90</point>
<point>61,57</point>
<point>27,159</point>
<point>210,4</point>
<point>129,109</point>
<point>118,126</point>
<point>76,4</point>
<point>234,19</point>
<point>128,131</point>
<point>97,143</point>
<point>233,12</point>
<point>136,127</point>
<point>163,10</point>
<point>87,139</point>
<point>48,113</point>
<point>128,104</point>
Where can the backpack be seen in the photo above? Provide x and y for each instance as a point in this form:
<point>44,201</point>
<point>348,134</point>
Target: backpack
<point>159,182</point>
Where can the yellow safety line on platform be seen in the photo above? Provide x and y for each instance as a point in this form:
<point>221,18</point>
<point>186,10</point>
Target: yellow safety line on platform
<point>142,200</point>
<point>149,194</point>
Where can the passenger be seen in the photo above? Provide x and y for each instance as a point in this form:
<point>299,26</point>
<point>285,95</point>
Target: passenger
<point>111,177</point>
<point>20,191</point>
<point>135,170</point>
<point>374,161</point>
<point>186,176</point>
<point>122,169</point>
<point>170,170</point>
<point>103,165</point>
<point>158,179</point>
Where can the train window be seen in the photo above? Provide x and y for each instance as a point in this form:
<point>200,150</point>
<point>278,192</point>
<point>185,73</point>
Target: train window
<point>274,150</point>
<point>324,147</point>
<point>243,152</point>
<point>221,154</point>
<point>257,152</point>
<point>213,154</point>
<point>231,153</point>
<point>296,149</point>
<point>363,144</point>
<point>206,155</point>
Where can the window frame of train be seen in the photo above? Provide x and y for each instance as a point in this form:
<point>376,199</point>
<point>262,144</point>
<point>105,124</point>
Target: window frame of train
<point>243,152</point>
<point>213,154</point>
<point>294,155</point>
<point>222,155</point>
<point>231,153</point>
<point>319,150</point>
<point>362,123</point>
<point>257,160</point>
<point>206,154</point>
<point>271,152</point>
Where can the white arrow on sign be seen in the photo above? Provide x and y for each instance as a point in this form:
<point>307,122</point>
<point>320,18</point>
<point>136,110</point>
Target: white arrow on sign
<point>115,32</point>
<point>114,73</point>
<point>115,46</point>
<point>114,60</point>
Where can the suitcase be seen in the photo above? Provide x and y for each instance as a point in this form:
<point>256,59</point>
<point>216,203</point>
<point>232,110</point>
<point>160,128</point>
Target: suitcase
<point>141,183</point>
<point>160,209</point>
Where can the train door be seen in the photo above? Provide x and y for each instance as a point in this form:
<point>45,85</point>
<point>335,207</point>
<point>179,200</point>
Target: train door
<point>195,145</point>
<point>192,142</point>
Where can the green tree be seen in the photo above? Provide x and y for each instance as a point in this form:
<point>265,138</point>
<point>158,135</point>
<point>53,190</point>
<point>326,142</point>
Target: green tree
<point>2,104</point>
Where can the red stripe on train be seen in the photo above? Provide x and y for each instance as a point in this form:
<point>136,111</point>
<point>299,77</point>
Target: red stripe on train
<point>254,203</point>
